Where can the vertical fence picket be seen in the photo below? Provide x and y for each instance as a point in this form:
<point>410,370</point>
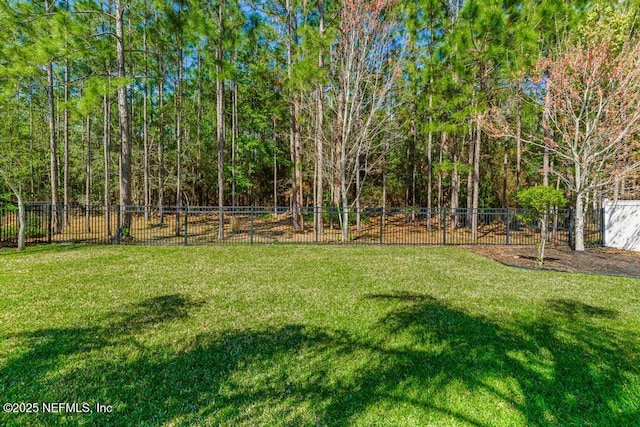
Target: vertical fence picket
<point>118,224</point>
<point>381,225</point>
<point>251,226</point>
<point>508,227</point>
<point>444,226</point>
<point>186,225</point>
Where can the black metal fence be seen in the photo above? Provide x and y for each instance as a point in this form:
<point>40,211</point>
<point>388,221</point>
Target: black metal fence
<point>140,225</point>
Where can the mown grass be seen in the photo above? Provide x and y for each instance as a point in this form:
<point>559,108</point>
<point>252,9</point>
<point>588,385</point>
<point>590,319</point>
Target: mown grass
<point>286,335</point>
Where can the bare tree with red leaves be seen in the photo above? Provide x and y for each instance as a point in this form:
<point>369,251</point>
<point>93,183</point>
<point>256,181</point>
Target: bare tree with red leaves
<point>591,96</point>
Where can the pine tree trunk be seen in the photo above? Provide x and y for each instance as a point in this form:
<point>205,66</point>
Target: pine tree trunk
<point>220,121</point>
<point>275,169</point>
<point>65,124</point>
<point>145,126</point>
<point>319,163</point>
<point>124,121</point>
<point>294,125</point>
<point>430,164</point>
<point>519,145</point>
<point>53,150</point>
<point>414,160</point>
<point>470,175</point>
<point>88,178</point>
<point>234,140</point>
<point>178,228</point>
<point>476,180</point>
<point>455,186</point>
<point>319,134</point>
<point>106,134</point>
<point>161,147</point>
<point>31,140</point>
<point>199,170</point>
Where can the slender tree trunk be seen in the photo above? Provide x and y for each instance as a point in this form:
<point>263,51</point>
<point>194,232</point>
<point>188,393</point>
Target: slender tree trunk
<point>234,140</point>
<point>414,160</point>
<point>145,126</point>
<point>88,178</point>
<point>443,147</point>
<point>178,228</point>
<point>430,162</point>
<point>579,222</point>
<point>31,140</point>
<point>455,187</point>
<point>161,147</point>
<point>199,167</point>
<point>358,227</point>
<point>548,136</point>
<point>298,201</point>
<point>505,174</point>
<point>65,124</point>
<point>519,145</point>
<point>319,134</point>
<point>337,149</point>
<point>470,175</point>
<point>543,239</point>
<point>294,125</point>
<point>275,169</point>
<point>53,149</point>
<point>476,180</point>
<point>124,121</point>
<point>220,121</point>
<point>581,207</point>
<point>106,134</point>
<point>22,221</point>
<point>342,165</point>
<point>384,181</point>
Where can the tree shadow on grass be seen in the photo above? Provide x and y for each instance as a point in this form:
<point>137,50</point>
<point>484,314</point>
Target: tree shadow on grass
<point>561,368</point>
<point>569,370</point>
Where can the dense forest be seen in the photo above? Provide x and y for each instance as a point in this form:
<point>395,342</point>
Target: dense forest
<point>312,103</point>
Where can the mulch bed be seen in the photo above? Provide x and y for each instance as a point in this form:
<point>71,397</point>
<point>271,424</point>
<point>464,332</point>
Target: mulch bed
<point>604,261</point>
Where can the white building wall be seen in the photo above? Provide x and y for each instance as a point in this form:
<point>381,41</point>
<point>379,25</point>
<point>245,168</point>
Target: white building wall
<point>622,224</point>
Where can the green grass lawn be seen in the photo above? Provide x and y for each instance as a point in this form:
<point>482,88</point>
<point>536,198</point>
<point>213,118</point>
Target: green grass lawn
<point>287,335</point>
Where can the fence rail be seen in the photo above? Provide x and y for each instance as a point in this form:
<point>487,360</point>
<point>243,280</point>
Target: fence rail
<point>196,225</point>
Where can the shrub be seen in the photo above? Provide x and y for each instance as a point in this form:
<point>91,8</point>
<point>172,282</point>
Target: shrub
<point>539,200</point>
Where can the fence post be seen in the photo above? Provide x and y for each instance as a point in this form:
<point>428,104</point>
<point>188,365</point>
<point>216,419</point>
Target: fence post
<point>381,223</point>
<point>316,213</point>
<point>118,224</point>
<point>251,226</point>
<point>49,225</point>
<point>508,223</point>
<point>571,225</point>
<point>444,224</point>
<point>186,225</point>
<point>602,226</point>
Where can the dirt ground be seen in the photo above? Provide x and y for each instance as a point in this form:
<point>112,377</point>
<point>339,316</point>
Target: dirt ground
<point>605,261</point>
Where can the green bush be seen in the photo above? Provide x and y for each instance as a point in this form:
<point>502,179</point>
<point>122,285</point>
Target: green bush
<point>538,201</point>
